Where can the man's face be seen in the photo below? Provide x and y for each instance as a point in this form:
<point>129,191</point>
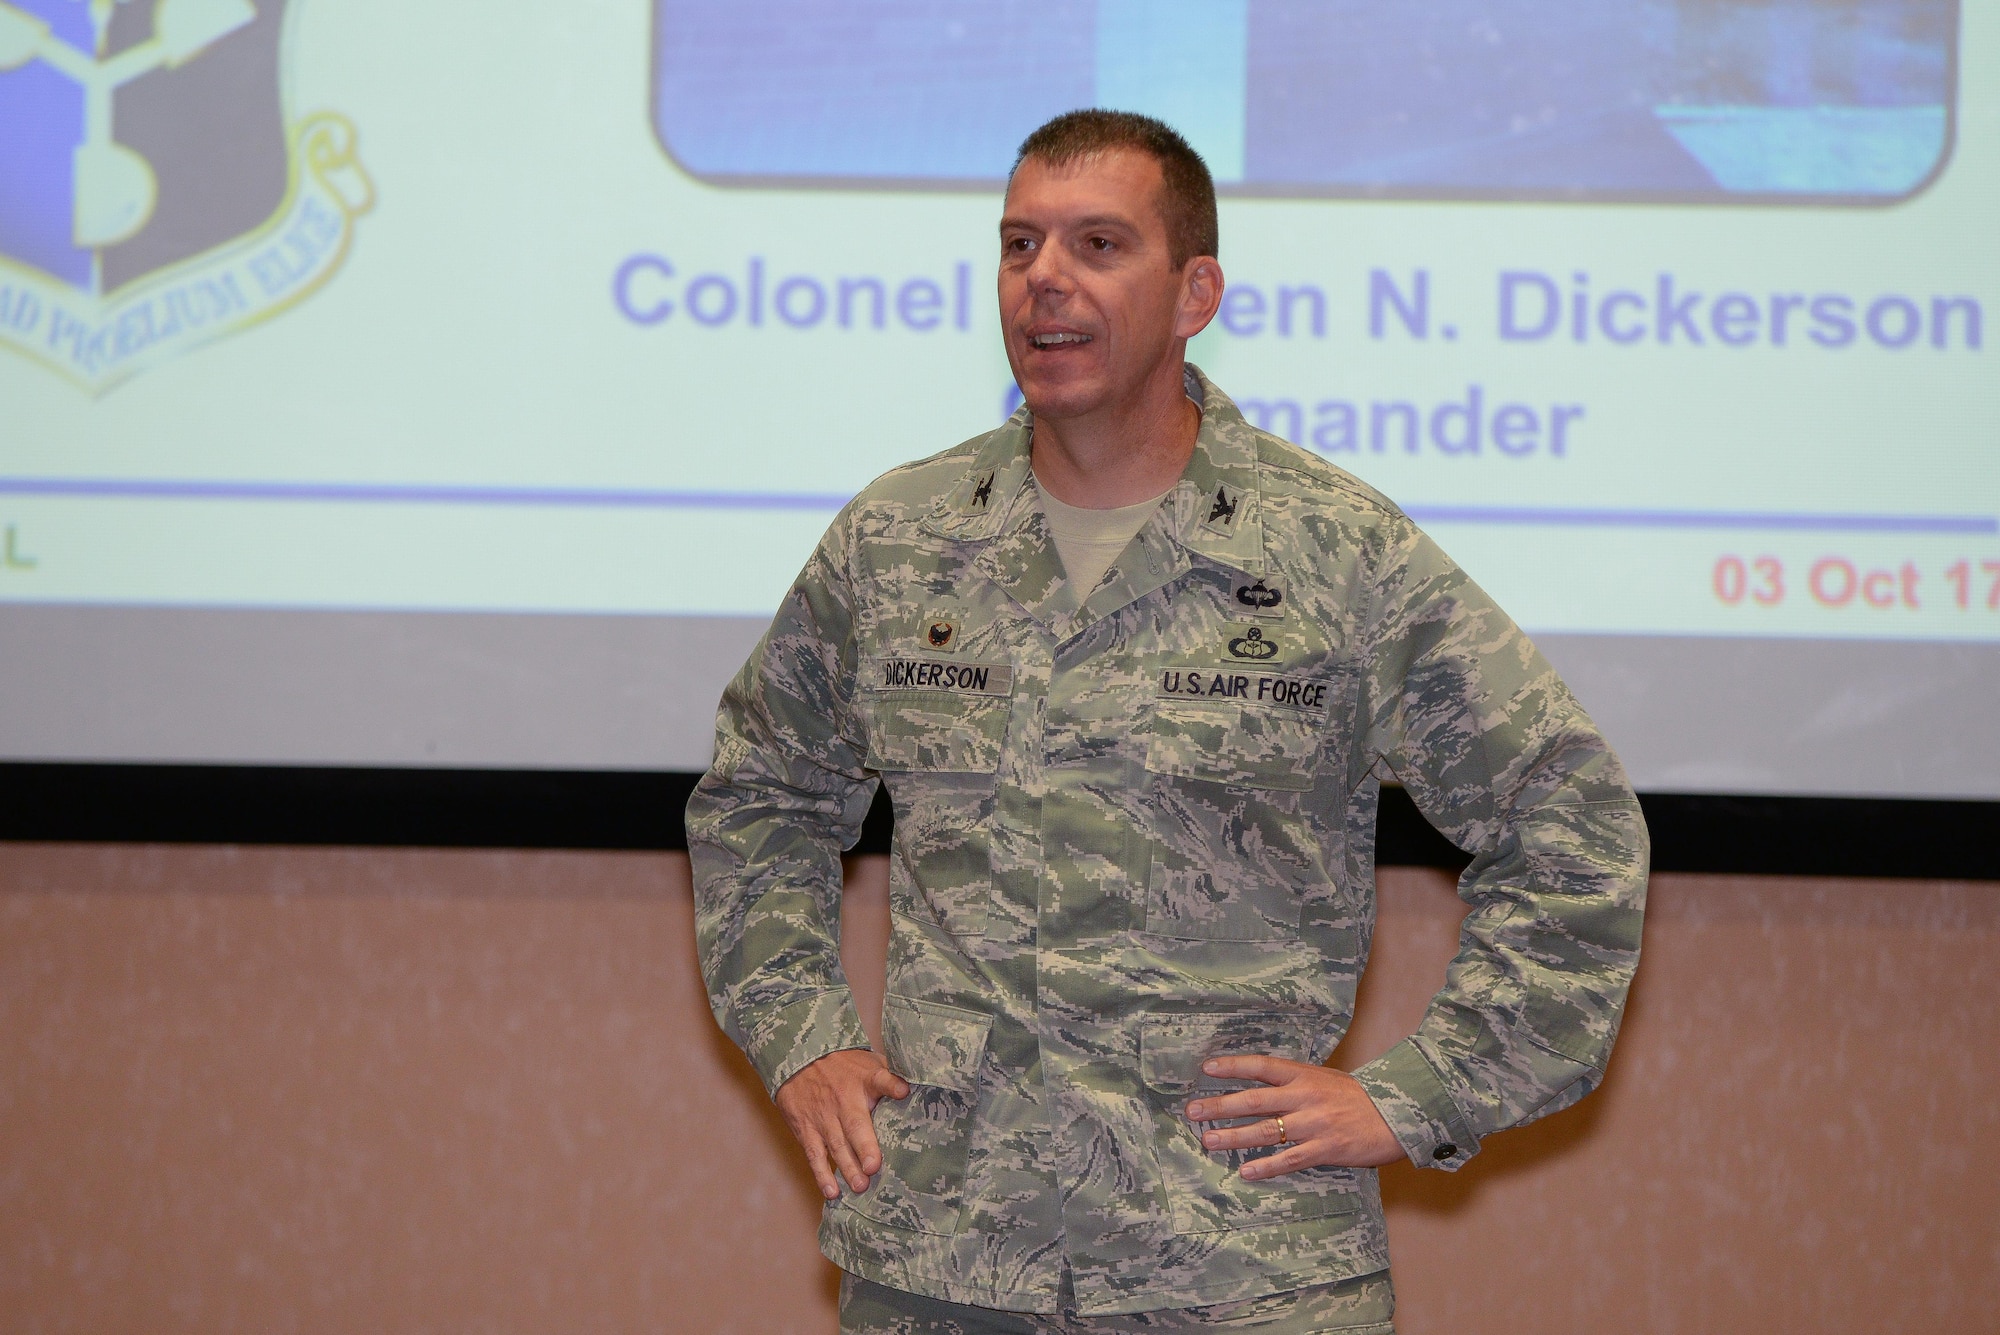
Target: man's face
<point>1089,300</point>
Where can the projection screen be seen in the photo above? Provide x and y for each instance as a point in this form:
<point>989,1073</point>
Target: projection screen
<point>462,385</point>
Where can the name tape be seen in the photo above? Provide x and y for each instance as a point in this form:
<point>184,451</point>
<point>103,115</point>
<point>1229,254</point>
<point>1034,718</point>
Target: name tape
<point>925,674</point>
<point>1266,688</point>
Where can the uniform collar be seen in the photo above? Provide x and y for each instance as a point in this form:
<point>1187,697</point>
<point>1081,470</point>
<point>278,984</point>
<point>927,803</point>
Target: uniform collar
<point>1216,505</point>
<point>1214,512</point>
<point>982,504</point>
<point>1218,510</point>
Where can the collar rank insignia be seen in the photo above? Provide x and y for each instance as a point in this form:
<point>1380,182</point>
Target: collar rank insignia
<point>1257,598</point>
<point>1252,645</point>
<point>1222,508</point>
<point>983,493</point>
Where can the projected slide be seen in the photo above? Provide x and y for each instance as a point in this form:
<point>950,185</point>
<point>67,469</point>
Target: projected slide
<point>1659,99</point>
<point>1667,317</point>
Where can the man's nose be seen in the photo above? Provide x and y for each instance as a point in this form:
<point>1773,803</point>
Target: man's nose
<point>1048,275</point>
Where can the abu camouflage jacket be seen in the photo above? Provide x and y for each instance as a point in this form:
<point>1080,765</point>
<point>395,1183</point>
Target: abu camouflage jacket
<point>1134,830</point>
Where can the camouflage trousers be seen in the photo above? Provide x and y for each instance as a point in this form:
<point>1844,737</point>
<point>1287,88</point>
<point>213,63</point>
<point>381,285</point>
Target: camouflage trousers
<point>1359,1306</point>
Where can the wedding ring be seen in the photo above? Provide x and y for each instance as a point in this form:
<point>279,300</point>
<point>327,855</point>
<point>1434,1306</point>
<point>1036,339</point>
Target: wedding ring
<point>1283,1139</point>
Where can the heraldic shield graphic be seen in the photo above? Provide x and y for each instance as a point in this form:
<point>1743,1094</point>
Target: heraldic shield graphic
<point>155,193</point>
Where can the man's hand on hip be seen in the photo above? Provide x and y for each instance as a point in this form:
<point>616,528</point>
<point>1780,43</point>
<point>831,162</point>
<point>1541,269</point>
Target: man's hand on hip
<point>829,1105</point>
<point>1317,1114</point>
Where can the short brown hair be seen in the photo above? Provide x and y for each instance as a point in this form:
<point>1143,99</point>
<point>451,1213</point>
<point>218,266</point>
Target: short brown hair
<point>1187,196</point>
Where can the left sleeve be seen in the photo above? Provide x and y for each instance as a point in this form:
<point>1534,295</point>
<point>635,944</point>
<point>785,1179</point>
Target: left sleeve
<point>1501,758</point>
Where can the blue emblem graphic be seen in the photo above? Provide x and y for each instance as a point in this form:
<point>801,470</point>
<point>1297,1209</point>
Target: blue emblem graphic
<point>145,156</point>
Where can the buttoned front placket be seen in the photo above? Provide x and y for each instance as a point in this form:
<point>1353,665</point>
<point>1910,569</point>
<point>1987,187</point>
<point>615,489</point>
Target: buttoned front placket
<point>1097,856</point>
<point>1071,852</point>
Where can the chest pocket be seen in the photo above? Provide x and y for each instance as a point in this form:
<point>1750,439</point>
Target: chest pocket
<point>1227,860</point>
<point>936,732</point>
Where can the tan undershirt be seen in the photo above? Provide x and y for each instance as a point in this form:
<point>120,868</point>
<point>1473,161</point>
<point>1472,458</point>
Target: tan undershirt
<point>1090,540</point>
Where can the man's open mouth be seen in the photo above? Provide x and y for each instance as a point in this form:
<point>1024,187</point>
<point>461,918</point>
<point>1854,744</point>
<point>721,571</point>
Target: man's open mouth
<point>1057,340</point>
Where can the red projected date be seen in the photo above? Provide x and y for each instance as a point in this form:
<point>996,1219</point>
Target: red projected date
<point>1838,582</point>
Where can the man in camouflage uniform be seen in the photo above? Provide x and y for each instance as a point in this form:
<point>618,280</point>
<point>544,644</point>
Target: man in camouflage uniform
<point>1133,875</point>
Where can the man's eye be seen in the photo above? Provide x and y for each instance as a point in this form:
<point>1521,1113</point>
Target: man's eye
<point>1100,243</point>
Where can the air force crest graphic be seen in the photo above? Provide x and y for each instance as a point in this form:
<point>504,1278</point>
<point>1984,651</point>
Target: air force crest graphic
<point>155,192</point>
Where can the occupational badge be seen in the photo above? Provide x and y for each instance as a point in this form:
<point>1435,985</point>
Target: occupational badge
<point>1250,645</point>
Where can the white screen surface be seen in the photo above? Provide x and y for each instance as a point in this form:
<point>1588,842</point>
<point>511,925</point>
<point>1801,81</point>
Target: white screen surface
<point>531,354</point>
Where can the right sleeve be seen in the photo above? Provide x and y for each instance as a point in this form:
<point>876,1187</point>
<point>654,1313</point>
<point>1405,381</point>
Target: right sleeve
<point>767,824</point>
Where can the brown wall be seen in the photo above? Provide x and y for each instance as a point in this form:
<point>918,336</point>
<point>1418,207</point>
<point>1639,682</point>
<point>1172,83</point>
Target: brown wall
<point>365,1090</point>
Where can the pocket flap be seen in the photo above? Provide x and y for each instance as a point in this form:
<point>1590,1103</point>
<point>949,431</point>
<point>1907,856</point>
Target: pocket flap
<point>938,733</point>
<point>1173,1047</point>
<point>1235,745</point>
<point>930,1043</point>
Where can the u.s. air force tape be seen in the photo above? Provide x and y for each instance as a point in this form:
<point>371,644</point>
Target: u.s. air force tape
<point>1259,688</point>
<point>927,674</point>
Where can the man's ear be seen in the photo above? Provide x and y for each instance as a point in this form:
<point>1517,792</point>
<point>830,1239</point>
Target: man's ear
<point>1201,295</point>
